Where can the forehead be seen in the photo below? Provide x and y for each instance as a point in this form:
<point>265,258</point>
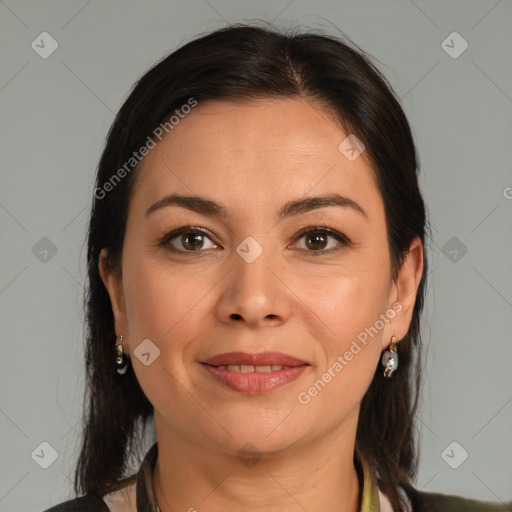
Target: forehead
<point>256,153</point>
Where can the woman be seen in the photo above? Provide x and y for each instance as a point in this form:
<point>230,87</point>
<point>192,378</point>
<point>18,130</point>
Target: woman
<point>256,276</point>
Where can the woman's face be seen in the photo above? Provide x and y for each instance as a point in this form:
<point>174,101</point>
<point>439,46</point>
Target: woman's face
<point>255,280</point>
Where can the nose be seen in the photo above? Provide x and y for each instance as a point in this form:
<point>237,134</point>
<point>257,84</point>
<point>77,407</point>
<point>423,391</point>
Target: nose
<point>254,293</point>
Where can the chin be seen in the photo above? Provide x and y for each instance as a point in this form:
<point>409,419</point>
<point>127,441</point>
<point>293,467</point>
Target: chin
<point>267,434</point>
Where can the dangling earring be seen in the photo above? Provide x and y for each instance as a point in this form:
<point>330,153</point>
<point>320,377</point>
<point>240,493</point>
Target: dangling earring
<point>121,359</point>
<point>390,358</point>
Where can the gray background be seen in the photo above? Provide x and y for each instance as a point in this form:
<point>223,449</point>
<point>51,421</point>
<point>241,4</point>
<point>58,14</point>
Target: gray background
<point>57,111</point>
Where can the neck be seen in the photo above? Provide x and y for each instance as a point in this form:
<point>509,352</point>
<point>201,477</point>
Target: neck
<point>317,476</point>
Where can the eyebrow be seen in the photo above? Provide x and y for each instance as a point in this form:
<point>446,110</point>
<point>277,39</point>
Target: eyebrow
<point>206,206</point>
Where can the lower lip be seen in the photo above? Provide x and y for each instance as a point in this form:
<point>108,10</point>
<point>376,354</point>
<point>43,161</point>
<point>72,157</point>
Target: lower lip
<point>255,383</point>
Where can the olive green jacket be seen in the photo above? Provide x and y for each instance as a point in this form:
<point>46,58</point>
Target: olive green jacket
<point>372,500</point>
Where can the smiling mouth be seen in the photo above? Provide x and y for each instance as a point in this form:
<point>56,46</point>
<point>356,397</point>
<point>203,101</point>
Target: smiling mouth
<point>254,373</point>
<point>248,362</point>
<point>254,379</point>
<point>248,368</point>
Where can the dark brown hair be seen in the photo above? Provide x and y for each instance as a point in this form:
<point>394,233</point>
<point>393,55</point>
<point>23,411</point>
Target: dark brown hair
<point>244,62</point>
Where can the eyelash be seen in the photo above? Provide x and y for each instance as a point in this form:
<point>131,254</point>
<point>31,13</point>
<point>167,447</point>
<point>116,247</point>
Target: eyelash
<point>342,239</point>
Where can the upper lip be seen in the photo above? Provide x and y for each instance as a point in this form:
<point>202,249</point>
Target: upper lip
<point>261,359</point>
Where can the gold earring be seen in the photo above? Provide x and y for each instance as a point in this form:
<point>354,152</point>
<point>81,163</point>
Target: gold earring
<point>121,359</point>
<point>390,358</point>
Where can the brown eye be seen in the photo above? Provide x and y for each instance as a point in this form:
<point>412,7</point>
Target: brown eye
<point>187,239</point>
<point>193,241</point>
<point>317,240</point>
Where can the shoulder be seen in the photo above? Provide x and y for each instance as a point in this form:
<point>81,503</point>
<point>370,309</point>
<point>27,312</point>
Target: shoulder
<point>437,502</point>
<point>86,503</point>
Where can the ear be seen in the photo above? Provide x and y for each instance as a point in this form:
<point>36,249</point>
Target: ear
<point>403,293</point>
<point>114,284</point>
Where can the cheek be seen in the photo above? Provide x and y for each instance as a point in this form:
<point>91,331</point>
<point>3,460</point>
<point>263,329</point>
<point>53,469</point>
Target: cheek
<point>350,300</point>
<point>348,307</point>
<point>158,297</point>
<point>350,304</point>
<point>159,306</point>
